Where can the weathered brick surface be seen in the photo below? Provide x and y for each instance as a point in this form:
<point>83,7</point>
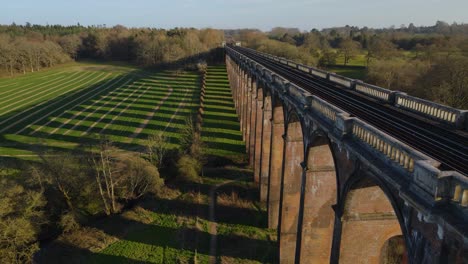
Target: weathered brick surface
<point>252,128</point>
<point>266,143</point>
<point>248,114</point>
<point>276,164</point>
<point>257,149</point>
<point>293,156</point>
<point>368,222</point>
<point>320,195</point>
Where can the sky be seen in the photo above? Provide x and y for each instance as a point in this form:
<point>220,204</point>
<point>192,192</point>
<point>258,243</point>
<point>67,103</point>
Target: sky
<point>231,14</point>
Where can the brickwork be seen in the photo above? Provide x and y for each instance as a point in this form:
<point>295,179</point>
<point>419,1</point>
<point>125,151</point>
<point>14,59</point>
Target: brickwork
<point>326,217</point>
<point>252,127</point>
<point>320,195</point>
<point>266,145</point>
<point>291,188</point>
<point>368,222</point>
<point>276,165</point>
<point>257,149</point>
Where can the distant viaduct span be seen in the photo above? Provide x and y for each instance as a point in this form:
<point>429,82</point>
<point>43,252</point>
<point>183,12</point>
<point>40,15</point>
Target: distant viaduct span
<point>351,172</point>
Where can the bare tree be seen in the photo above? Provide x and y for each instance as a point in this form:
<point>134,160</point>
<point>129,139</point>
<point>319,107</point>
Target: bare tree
<point>157,147</point>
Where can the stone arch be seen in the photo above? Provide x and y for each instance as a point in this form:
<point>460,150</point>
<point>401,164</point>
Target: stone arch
<point>370,218</point>
<point>291,179</point>
<point>320,194</point>
<point>276,161</point>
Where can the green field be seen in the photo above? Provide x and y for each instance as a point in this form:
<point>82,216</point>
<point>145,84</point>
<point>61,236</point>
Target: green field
<point>174,226</point>
<point>178,229</point>
<point>62,108</point>
<point>221,129</point>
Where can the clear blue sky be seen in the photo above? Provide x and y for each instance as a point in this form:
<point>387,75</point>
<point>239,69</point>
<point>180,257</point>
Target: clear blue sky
<point>261,14</point>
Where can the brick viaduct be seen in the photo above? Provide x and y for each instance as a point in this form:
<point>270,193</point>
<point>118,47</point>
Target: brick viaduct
<point>337,189</point>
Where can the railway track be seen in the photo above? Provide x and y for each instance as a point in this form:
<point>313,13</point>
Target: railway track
<point>450,147</point>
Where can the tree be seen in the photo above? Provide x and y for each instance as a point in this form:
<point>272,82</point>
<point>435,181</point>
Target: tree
<point>70,45</point>
<point>21,217</point>
<point>380,48</point>
<point>328,57</point>
<point>137,177</point>
<point>121,176</point>
<point>67,174</point>
<point>157,146</point>
<point>447,82</point>
<point>105,175</point>
<point>349,48</point>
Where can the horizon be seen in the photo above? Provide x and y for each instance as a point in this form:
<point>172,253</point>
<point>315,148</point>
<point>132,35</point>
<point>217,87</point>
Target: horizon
<point>242,14</point>
<point>224,29</point>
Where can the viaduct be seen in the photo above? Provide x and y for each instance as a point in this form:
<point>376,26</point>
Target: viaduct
<point>351,172</point>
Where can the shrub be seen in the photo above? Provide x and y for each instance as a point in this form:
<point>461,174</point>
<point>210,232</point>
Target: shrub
<point>68,222</point>
<point>188,168</point>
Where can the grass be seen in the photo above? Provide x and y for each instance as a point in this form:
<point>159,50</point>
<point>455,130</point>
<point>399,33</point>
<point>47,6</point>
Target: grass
<point>358,60</point>
<point>176,230</point>
<point>221,129</point>
<point>64,108</point>
<point>350,72</point>
<point>176,226</point>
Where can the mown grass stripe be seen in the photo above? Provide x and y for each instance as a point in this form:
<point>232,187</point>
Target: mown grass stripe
<point>34,97</point>
<point>92,113</point>
<point>108,85</point>
<point>21,90</point>
<point>49,113</point>
<point>123,111</point>
<point>38,99</point>
<point>108,112</point>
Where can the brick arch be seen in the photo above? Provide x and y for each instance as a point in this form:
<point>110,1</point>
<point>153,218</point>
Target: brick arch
<point>275,160</point>
<point>291,179</point>
<point>319,195</point>
<point>370,216</point>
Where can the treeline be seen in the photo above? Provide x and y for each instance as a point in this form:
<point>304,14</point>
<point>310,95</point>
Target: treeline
<point>32,47</point>
<point>428,62</point>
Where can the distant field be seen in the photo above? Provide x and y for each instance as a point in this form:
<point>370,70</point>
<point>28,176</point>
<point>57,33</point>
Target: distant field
<point>350,71</point>
<point>65,107</point>
<point>358,60</point>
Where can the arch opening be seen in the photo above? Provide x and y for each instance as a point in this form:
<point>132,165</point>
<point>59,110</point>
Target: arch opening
<point>371,231</point>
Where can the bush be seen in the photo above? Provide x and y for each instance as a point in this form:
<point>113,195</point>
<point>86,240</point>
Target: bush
<point>136,177</point>
<point>188,168</point>
<point>68,222</point>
